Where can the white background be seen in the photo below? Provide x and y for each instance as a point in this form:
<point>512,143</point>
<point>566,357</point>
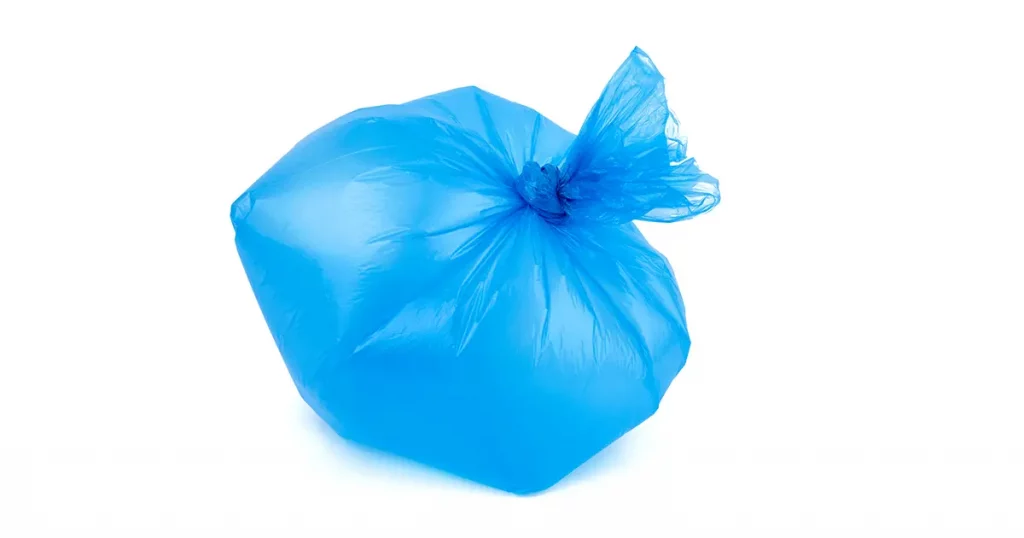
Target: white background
<point>855,301</point>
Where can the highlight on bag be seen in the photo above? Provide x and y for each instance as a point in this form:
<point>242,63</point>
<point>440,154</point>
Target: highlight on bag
<point>458,281</point>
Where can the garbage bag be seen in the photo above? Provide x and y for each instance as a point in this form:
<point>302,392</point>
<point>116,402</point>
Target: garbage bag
<point>458,281</point>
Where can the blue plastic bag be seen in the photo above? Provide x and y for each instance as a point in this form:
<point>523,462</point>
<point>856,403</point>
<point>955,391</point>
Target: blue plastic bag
<point>457,280</point>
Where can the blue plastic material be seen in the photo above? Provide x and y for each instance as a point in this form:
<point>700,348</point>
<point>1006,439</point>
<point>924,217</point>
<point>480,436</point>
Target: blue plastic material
<point>457,280</point>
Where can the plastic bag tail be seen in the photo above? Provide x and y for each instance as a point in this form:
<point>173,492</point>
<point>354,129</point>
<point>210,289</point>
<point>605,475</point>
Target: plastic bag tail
<point>628,161</point>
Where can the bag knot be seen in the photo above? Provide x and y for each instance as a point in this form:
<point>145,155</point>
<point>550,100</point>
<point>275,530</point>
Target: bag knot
<point>540,187</point>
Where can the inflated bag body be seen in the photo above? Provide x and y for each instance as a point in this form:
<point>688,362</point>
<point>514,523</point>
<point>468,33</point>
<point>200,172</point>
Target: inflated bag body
<point>457,280</point>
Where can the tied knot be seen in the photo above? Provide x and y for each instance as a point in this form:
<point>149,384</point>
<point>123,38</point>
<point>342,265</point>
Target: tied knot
<point>540,187</point>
